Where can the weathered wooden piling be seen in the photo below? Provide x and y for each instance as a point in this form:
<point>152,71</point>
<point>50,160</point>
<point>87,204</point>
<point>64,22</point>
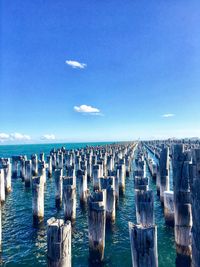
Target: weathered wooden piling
<point>7,177</point>
<point>121,173</point>
<point>158,181</point>
<point>28,173</point>
<point>2,186</point>
<point>182,206</point>
<point>195,196</point>
<point>164,172</point>
<point>96,225</point>
<point>143,241</point>
<point>71,172</point>
<point>60,160</point>
<point>58,243</point>
<point>58,175</point>
<point>0,231</point>
<point>14,166</point>
<point>49,170</point>
<point>109,185</point>
<point>83,191</point>
<point>96,176</point>
<point>144,203</point>
<point>141,183</point>
<point>169,207</point>
<point>41,156</point>
<point>110,163</point>
<point>42,171</point>
<point>69,198</point>
<point>34,159</point>
<point>37,199</point>
<point>22,167</point>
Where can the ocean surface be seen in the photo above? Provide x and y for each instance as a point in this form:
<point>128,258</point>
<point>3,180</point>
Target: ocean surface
<point>24,245</point>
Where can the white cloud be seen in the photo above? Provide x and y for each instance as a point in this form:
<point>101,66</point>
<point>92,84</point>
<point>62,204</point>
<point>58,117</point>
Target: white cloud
<point>76,64</point>
<point>168,115</point>
<point>4,137</point>
<point>19,136</point>
<point>48,137</point>
<point>14,137</point>
<point>87,110</point>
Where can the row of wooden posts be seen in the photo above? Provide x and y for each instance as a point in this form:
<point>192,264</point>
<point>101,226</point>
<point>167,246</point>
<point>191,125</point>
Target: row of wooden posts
<point>182,204</point>
<point>104,169</point>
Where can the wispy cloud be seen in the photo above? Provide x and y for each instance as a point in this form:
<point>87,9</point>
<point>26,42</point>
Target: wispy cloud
<point>14,137</point>
<point>75,64</point>
<point>168,115</point>
<point>4,137</point>
<point>48,137</point>
<point>86,109</point>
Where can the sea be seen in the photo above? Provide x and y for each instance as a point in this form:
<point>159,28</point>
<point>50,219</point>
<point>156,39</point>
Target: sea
<point>24,245</point>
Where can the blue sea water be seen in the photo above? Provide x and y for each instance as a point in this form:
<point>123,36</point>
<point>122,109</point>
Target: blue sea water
<point>24,245</point>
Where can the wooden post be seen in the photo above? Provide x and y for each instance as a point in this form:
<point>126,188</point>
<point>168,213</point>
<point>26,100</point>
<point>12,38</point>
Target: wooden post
<point>22,167</point>
<point>60,161</point>
<point>158,181</point>
<point>121,172</point>
<point>96,176</point>
<point>37,199</point>
<point>34,159</point>
<point>28,173</point>
<point>109,185</point>
<point>2,186</point>
<point>0,231</point>
<point>83,188</point>
<point>58,243</point>
<point>7,176</point>
<point>14,166</point>
<point>49,160</point>
<point>169,207</point>
<point>42,171</point>
<point>41,156</point>
<point>71,172</point>
<point>182,206</point>
<point>113,173</point>
<point>58,174</point>
<point>143,241</point>
<point>144,202</point>
<point>69,198</point>
<point>141,183</point>
<point>164,172</point>
<point>195,196</point>
<point>96,225</point>
<point>53,161</point>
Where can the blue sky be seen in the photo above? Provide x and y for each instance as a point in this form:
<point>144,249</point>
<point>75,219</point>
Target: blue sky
<point>98,70</point>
